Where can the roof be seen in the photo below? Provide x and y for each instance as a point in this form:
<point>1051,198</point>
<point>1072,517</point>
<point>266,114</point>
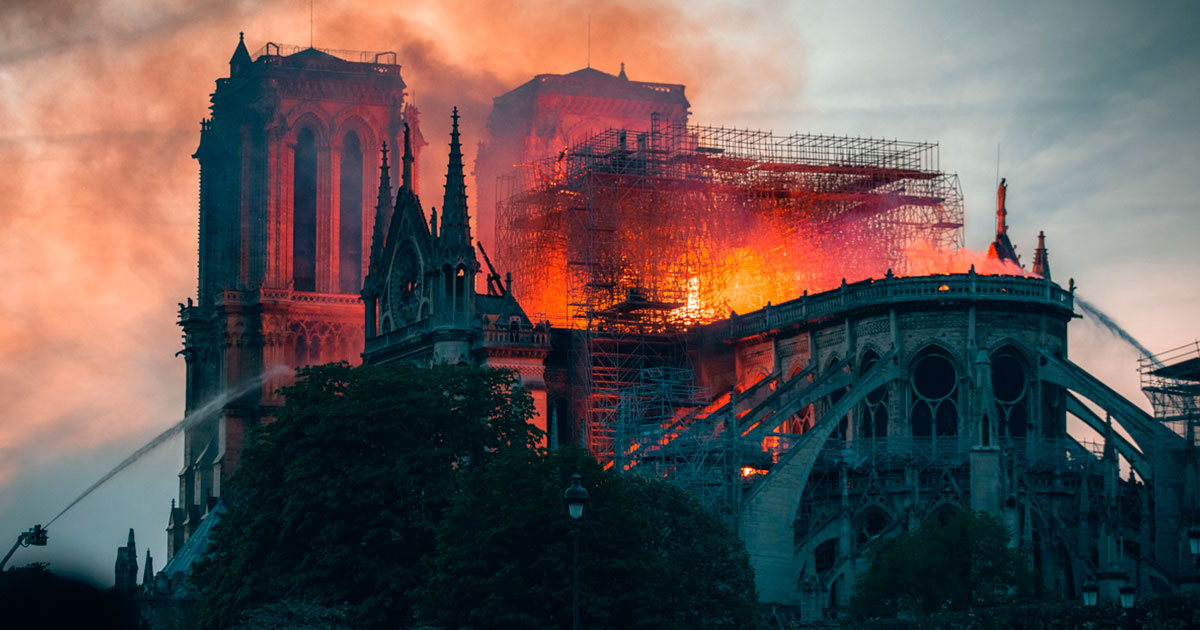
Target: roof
<point>195,547</point>
<point>593,82</point>
<point>1187,370</point>
<point>504,306</point>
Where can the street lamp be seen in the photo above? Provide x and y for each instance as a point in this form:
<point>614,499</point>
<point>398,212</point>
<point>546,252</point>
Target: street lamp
<point>1127,592</point>
<point>1090,592</point>
<point>575,497</point>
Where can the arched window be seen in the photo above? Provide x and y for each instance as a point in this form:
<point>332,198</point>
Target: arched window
<point>869,524</point>
<point>843,424</point>
<point>304,213</point>
<point>934,392</point>
<point>1010,388</point>
<point>350,225</point>
<point>873,420</point>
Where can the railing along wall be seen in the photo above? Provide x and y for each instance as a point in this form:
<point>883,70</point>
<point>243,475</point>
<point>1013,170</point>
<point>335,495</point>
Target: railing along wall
<point>969,287</point>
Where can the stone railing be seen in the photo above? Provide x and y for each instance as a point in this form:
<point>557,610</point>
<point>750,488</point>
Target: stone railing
<point>309,298</point>
<point>1038,453</point>
<point>501,336</point>
<point>968,287</point>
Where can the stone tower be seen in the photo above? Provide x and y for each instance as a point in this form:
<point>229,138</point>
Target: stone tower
<point>286,213</point>
<point>550,112</point>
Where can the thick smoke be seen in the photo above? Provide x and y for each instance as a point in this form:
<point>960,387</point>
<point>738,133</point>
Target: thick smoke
<point>100,105</point>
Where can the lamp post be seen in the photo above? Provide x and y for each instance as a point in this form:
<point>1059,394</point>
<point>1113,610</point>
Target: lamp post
<point>1090,592</point>
<point>575,498</point>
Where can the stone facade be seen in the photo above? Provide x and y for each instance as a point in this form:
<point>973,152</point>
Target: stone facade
<point>863,411</point>
<point>420,297</point>
<point>286,198</point>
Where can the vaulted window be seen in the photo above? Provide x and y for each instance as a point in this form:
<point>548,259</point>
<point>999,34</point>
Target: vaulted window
<point>304,213</point>
<point>350,218</point>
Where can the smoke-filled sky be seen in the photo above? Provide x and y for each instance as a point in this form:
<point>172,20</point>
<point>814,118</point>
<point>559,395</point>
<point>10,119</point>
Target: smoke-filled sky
<point>1093,106</point>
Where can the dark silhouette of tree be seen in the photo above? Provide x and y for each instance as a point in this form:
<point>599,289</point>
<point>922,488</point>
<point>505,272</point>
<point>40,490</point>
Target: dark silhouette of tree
<point>339,500</point>
<point>650,556</point>
<point>959,561</point>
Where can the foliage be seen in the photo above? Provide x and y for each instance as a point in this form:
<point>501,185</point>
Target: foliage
<point>1164,612</point>
<point>296,615</point>
<point>955,563</point>
<point>339,499</point>
<point>649,556</point>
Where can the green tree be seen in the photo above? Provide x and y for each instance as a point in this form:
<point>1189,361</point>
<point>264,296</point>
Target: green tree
<point>954,563</point>
<point>650,556</point>
<point>339,499</point>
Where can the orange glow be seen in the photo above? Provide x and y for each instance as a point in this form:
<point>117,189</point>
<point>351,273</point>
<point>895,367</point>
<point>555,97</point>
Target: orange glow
<point>747,471</point>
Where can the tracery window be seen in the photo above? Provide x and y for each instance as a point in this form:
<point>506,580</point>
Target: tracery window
<point>934,384</point>
<point>873,417</point>
<point>1010,389</point>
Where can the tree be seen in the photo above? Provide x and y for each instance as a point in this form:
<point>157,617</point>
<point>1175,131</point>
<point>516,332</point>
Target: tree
<point>650,556</point>
<point>953,563</point>
<point>339,499</point>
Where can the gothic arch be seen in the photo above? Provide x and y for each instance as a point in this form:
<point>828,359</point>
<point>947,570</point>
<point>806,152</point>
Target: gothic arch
<point>873,412</point>
<point>351,213</point>
<point>934,374</point>
<point>356,120</point>
<point>1012,388</point>
<point>869,523</point>
<point>307,117</point>
<point>305,211</point>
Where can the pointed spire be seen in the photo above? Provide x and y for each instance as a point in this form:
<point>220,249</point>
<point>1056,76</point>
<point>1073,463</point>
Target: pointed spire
<point>148,574</point>
<point>383,207</point>
<point>385,177</point>
<point>241,56</point>
<point>407,160</point>
<point>1041,260</point>
<point>456,228</point>
<point>622,75</point>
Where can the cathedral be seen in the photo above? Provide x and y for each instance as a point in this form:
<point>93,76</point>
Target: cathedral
<point>816,424</point>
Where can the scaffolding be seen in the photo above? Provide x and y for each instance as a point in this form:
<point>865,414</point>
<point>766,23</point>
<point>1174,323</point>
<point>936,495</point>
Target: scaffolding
<point>669,428</point>
<point>632,238</point>
<point>1171,380</point>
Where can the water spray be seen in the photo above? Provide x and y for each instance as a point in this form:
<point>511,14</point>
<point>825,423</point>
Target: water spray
<point>1114,328</point>
<point>190,420</point>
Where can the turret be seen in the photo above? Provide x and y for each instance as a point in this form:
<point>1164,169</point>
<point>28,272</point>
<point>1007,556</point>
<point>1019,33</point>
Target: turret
<point>1041,262</point>
<point>241,57</point>
<point>127,566</point>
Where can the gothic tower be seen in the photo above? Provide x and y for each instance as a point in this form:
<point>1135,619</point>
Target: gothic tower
<point>286,217</point>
